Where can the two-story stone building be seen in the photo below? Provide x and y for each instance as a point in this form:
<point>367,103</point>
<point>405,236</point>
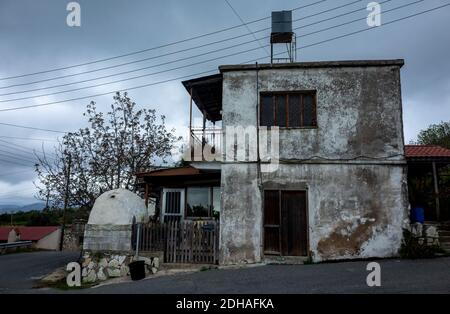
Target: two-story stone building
<point>338,189</point>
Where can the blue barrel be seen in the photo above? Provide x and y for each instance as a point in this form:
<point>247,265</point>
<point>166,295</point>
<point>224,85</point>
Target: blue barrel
<point>417,214</point>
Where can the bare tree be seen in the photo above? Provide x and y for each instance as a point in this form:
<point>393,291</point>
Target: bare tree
<point>105,155</point>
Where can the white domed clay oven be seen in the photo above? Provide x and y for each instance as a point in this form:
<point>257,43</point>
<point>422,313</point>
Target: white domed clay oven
<point>110,223</point>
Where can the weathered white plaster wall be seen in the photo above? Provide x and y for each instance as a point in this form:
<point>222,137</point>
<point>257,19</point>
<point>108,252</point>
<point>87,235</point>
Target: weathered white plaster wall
<point>50,241</point>
<point>352,164</point>
<point>109,227</point>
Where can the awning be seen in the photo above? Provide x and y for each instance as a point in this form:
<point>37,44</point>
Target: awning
<point>427,153</point>
<point>207,95</point>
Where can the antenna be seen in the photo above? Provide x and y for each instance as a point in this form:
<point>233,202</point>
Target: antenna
<point>282,34</point>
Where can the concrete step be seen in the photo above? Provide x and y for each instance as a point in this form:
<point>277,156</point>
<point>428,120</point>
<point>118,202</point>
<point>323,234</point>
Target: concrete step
<point>444,233</point>
<point>444,239</point>
<point>444,227</point>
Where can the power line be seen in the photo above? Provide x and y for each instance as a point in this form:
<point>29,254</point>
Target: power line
<point>16,156</point>
<point>28,138</point>
<point>17,145</point>
<point>211,71</point>
<point>29,127</point>
<point>108,93</point>
<point>163,55</point>
<point>15,172</point>
<point>191,64</point>
<point>156,47</point>
<point>23,148</point>
<point>247,27</point>
<point>14,162</point>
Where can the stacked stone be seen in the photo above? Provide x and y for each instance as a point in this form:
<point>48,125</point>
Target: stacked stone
<point>426,234</point>
<point>102,266</point>
<point>151,264</point>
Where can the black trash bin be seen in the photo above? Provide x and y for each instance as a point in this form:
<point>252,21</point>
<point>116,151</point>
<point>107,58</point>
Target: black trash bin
<point>137,270</point>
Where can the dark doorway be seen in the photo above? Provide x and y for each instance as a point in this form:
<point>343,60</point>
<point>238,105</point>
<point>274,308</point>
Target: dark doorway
<point>285,223</point>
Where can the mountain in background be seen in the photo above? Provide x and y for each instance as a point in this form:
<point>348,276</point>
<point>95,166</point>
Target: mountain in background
<point>7,208</point>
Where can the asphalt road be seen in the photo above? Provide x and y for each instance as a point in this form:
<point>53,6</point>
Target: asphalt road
<point>405,276</point>
<point>18,272</point>
<point>397,276</point>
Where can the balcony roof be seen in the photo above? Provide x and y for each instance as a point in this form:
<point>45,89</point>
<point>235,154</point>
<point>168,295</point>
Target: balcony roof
<point>207,95</point>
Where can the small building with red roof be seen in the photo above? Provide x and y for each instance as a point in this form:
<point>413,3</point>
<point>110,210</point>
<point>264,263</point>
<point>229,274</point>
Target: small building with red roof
<point>429,180</point>
<point>43,237</point>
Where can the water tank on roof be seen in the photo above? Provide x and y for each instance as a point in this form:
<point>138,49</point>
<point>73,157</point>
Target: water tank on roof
<point>282,22</point>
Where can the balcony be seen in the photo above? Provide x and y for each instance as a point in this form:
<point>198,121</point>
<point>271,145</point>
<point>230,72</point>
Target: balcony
<point>208,139</point>
<point>206,93</point>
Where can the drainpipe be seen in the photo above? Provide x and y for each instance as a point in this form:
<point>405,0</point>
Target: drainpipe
<point>258,159</point>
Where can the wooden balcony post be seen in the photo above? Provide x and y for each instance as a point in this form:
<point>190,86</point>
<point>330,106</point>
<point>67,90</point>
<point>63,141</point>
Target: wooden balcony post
<point>436,191</point>
<point>146,195</point>
<point>204,129</point>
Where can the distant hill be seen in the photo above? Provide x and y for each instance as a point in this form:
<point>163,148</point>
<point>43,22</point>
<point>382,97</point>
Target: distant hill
<point>8,208</point>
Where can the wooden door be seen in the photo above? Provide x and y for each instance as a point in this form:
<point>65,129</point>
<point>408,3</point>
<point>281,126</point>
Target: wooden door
<point>294,223</point>
<point>272,222</point>
<point>285,223</point>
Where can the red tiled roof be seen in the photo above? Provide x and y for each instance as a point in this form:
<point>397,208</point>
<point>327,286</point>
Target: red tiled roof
<point>426,151</point>
<point>4,231</point>
<point>28,233</point>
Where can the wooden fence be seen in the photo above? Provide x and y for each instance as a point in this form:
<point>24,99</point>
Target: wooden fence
<point>181,242</point>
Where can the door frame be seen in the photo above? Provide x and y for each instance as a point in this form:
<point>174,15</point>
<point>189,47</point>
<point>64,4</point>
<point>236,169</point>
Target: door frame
<point>279,190</point>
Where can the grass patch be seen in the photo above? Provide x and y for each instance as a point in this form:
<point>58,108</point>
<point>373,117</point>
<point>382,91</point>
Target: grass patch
<point>61,285</point>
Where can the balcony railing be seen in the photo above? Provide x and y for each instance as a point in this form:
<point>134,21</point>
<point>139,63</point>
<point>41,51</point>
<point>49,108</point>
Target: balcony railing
<point>211,138</point>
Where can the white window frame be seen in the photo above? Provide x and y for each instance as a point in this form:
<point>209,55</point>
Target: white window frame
<point>182,203</point>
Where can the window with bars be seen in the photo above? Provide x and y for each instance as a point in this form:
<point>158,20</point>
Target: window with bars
<point>288,109</point>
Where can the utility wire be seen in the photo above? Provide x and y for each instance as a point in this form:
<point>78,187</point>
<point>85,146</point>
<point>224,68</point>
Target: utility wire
<point>191,64</point>
<point>16,156</point>
<point>30,127</point>
<point>15,172</point>
<point>27,150</point>
<point>28,138</point>
<point>213,71</point>
<point>167,54</point>
<point>247,27</point>
<point>156,47</point>
<point>22,148</point>
<point>14,162</point>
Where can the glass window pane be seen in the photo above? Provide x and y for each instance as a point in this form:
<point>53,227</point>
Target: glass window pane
<point>294,110</point>
<point>173,203</point>
<point>198,202</point>
<point>266,118</point>
<point>308,110</point>
<point>281,110</point>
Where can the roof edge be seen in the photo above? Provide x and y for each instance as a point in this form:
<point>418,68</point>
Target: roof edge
<point>314,64</point>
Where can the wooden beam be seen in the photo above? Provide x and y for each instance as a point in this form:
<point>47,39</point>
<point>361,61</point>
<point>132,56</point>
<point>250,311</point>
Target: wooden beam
<point>146,195</point>
<point>190,110</point>
<point>436,191</point>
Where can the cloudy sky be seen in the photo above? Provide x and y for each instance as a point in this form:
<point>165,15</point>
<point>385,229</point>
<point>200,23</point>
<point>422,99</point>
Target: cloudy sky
<point>34,37</point>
